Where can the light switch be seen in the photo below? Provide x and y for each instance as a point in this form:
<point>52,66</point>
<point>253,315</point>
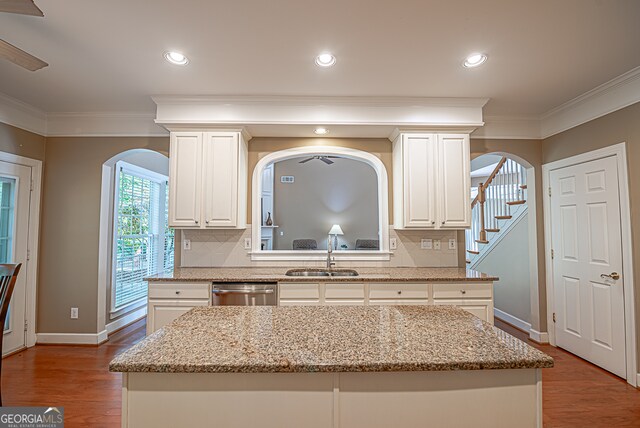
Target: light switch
<point>186,244</point>
<point>247,243</point>
<point>393,243</point>
<point>436,245</point>
<point>452,244</point>
<point>426,244</point>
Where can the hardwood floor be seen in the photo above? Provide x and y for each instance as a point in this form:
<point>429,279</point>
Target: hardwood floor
<point>575,392</point>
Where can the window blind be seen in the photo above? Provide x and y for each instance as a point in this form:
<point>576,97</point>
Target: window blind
<point>143,240</point>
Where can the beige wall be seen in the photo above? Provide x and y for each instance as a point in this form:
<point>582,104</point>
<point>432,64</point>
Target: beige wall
<point>344,193</point>
<point>525,152</point>
<point>70,228</point>
<point>20,142</point>
<point>620,126</point>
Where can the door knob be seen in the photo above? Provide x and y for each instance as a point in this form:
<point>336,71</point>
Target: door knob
<point>614,275</point>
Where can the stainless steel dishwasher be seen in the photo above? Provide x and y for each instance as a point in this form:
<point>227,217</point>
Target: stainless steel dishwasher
<point>244,294</point>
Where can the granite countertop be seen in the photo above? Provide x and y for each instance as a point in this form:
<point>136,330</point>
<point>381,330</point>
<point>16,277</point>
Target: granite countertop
<point>263,274</point>
<point>272,339</point>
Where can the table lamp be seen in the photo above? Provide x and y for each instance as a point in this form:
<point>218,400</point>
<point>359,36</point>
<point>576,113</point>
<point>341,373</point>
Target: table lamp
<point>335,231</point>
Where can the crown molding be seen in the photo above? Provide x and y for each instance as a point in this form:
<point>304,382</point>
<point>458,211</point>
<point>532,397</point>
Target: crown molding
<point>505,127</point>
<point>103,124</point>
<point>613,95</point>
<point>22,115</point>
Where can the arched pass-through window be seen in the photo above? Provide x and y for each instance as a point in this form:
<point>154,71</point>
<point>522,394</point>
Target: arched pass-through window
<point>345,246</point>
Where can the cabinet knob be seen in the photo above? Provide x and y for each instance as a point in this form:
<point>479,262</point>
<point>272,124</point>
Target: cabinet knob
<point>433,222</point>
<point>196,221</point>
<point>463,291</point>
<point>177,292</point>
<point>207,221</point>
<point>399,292</point>
<point>443,222</point>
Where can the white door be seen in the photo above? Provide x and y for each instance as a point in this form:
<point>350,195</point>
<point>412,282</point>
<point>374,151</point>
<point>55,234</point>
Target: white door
<point>586,235</point>
<point>454,175</point>
<point>15,185</point>
<point>185,180</point>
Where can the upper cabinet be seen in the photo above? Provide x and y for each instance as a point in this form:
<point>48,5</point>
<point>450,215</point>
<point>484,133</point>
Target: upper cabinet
<point>431,181</point>
<point>207,180</point>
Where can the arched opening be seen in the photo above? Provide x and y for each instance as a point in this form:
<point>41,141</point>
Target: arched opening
<point>503,237</point>
<point>135,241</point>
<point>348,248</point>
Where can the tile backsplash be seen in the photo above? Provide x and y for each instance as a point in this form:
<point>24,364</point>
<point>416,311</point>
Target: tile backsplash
<point>225,248</point>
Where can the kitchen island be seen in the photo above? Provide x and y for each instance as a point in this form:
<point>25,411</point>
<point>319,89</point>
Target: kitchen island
<point>331,366</point>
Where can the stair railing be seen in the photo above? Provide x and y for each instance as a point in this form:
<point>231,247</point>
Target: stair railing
<point>503,188</point>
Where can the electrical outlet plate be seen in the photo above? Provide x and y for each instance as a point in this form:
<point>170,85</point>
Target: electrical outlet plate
<point>247,243</point>
<point>436,245</point>
<point>74,313</point>
<point>452,244</point>
<point>393,243</point>
<point>186,244</point>
<point>426,244</point>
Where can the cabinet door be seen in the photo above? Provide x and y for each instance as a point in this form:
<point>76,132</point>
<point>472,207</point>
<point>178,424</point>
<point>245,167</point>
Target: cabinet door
<point>162,312</point>
<point>419,170</point>
<point>220,179</point>
<point>454,181</point>
<point>185,179</point>
<point>482,309</point>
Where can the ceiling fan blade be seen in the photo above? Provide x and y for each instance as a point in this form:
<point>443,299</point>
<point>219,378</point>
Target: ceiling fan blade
<point>307,160</point>
<point>22,7</point>
<point>20,57</point>
<point>325,160</point>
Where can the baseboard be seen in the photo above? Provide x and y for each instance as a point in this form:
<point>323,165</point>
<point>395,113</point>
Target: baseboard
<point>539,337</point>
<point>72,338</point>
<point>637,385</point>
<point>124,321</point>
<point>510,319</point>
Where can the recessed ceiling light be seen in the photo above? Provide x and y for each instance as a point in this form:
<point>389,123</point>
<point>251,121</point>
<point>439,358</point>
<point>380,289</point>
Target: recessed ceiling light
<point>475,60</point>
<point>176,58</point>
<point>321,131</point>
<point>325,60</point>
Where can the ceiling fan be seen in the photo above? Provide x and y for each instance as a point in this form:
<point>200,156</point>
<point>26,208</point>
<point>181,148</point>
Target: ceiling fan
<point>11,52</point>
<point>325,159</point>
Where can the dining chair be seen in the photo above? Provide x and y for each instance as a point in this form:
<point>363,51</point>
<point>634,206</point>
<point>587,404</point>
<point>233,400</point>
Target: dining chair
<point>8,276</point>
<point>305,244</point>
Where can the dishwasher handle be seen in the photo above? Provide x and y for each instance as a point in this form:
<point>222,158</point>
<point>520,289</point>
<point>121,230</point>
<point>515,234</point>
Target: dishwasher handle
<point>218,291</point>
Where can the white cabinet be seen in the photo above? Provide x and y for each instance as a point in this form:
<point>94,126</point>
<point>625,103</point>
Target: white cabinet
<point>432,183</point>
<point>207,180</point>
<point>476,298</point>
<point>299,294</point>
<point>167,301</point>
<point>336,294</point>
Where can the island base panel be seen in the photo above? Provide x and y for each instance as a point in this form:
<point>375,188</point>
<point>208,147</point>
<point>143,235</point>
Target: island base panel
<point>472,398</point>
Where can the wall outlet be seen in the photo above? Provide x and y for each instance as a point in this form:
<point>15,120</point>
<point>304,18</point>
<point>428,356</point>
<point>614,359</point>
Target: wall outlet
<point>74,313</point>
<point>393,243</point>
<point>247,243</point>
<point>436,245</point>
<point>186,244</point>
<point>452,244</point>
<point>281,233</point>
<point>426,244</point>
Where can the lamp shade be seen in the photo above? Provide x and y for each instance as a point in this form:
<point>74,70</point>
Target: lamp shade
<point>336,230</point>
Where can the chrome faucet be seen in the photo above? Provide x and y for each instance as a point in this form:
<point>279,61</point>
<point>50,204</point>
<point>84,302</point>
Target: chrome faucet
<point>330,259</point>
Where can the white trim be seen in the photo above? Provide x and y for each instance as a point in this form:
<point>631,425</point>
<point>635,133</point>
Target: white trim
<point>22,115</point>
<point>124,321</point>
<point>518,216</point>
<point>141,172</point>
<point>505,127</point>
<point>316,255</point>
<point>620,152</point>
<point>537,336</point>
<point>73,338</point>
<point>510,319</point>
<point>613,95</point>
<point>383,204</point>
<point>104,269</point>
<point>33,240</point>
<point>103,124</point>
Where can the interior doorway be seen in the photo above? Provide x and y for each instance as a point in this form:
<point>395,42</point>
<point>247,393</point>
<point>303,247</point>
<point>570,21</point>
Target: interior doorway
<point>589,271</point>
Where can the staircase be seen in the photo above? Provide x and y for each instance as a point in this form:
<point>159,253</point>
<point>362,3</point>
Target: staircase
<point>500,201</point>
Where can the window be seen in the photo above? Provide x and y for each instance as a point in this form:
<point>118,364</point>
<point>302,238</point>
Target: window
<point>143,241</point>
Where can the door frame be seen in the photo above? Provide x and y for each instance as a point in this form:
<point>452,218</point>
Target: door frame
<point>620,152</point>
<point>31,269</point>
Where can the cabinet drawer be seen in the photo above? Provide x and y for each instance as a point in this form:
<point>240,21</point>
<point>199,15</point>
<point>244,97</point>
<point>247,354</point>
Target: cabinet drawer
<point>178,291</point>
<point>398,291</point>
<point>462,291</point>
<point>396,302</point>
<point>354,302</point>
<point>299,291</point>
<point>344,291</point>
<point>482,309</point>
<point>299,302</point>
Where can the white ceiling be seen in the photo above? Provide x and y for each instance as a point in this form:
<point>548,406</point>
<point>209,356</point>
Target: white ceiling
<point>106,56</point>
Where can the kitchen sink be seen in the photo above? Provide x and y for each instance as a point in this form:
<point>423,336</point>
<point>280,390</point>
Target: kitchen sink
<point>321,272</point>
